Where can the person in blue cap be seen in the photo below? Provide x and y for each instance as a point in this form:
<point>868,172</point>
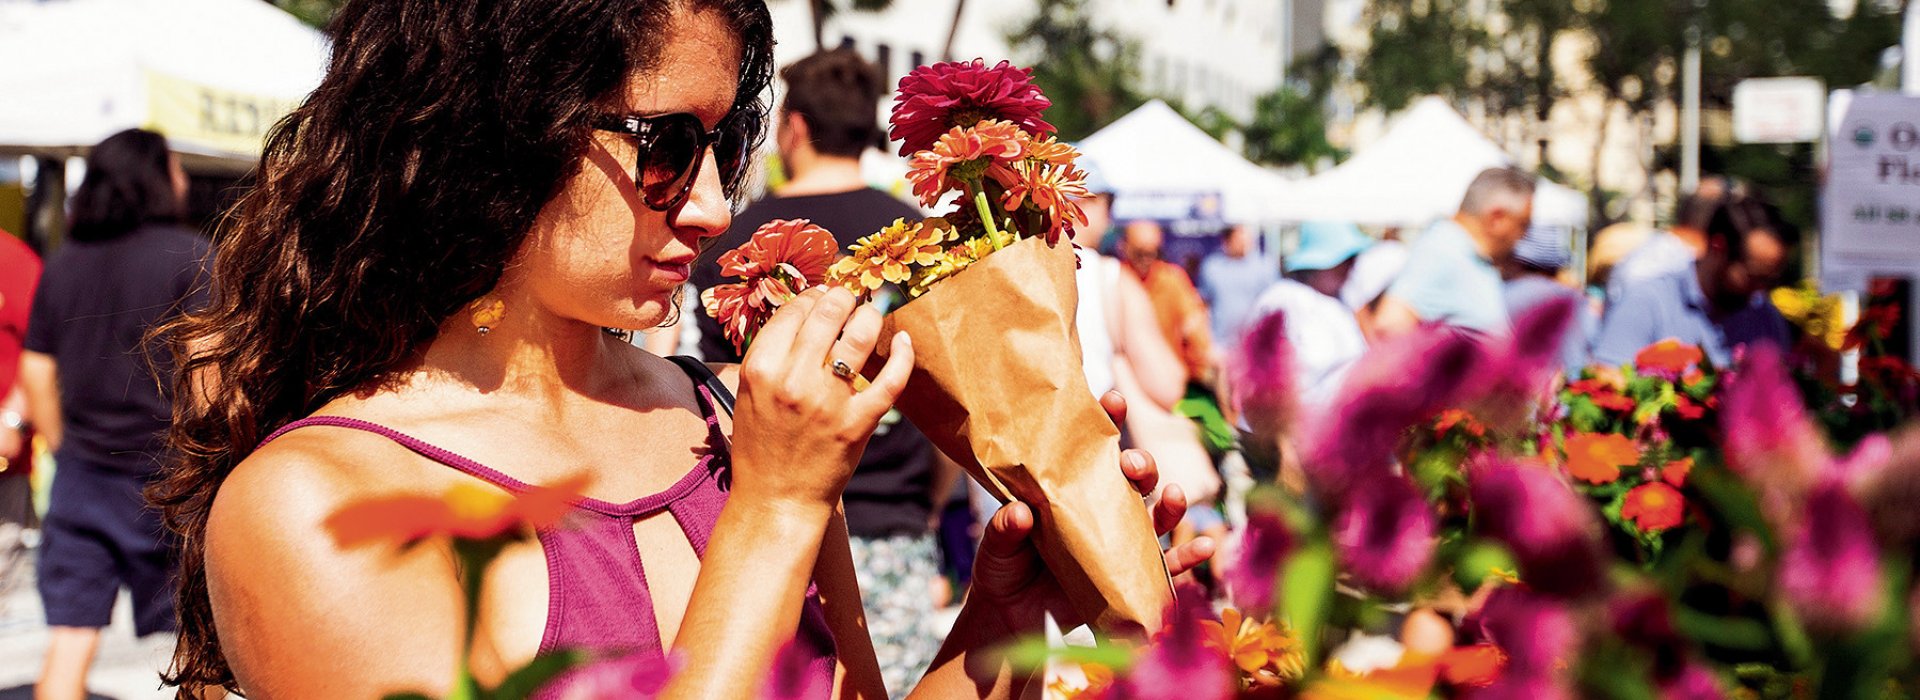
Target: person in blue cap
<point>1325,336</point>
<point>1533,279</point>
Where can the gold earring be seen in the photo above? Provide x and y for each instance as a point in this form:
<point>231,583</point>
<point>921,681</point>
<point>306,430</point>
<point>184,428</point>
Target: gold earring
<point>486,311</point>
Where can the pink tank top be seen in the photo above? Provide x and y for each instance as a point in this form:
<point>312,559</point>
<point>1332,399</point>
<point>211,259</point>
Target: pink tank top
<point>597,598</point>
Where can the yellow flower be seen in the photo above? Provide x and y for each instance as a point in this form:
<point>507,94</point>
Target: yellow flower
<point>890,256</point>
<point>1255,646</point>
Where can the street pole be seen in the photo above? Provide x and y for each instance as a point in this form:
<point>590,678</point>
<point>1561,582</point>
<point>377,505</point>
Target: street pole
<point>1690,109</point>
<point>1910,45</point>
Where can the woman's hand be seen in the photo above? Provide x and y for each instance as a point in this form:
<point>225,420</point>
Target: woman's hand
<point>798,428</point>
<point>1008,575</point>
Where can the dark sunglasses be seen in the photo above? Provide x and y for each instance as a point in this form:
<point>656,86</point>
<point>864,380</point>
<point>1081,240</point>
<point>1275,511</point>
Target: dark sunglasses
<point>671,147</point>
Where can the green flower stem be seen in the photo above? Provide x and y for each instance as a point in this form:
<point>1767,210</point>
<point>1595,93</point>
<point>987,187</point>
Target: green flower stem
<point>986,213</point>
<point>474,557</point>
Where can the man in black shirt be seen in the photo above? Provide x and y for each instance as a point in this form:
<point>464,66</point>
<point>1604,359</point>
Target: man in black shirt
<point>824,123</point>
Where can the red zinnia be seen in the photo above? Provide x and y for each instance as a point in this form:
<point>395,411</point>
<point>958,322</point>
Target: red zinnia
<point>1655,506</point>
<point>1676,471</point>
<point>939,97</point>
<point>1602,394</point>
<point>782,259</point>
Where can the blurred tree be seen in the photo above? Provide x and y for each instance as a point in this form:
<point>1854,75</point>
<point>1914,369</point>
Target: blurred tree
<point>314,12</point>
<point>1289,127</point>
<point>1089,72</point>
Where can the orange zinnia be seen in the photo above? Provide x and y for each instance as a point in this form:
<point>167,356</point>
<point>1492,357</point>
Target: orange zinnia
<point>1654,506</point>
<point>963,156</point>
<point>1669,357</point>
<point>467,511</point>
<point>1051,191</point>
<point>891,255</point>
<point>1597,458</point>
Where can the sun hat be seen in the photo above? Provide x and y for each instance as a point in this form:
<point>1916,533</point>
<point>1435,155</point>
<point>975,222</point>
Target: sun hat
<point>1325,244</point>
<point>1373,272</point>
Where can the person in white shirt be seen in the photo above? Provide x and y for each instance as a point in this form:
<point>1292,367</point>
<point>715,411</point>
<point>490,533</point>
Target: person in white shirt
<point>1326,338</point>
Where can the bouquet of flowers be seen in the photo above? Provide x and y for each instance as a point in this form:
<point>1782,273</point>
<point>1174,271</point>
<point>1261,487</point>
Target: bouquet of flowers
<point>997,383</point>
<point>1629,438</point>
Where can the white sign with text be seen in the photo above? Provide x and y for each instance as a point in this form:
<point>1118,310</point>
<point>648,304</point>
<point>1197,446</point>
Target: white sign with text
<point>1779,110</point>
<point>1871,203</point>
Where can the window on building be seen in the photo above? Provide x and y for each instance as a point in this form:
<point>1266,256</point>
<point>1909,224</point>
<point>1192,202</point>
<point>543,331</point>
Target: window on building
<point>919,59</point>
<point>883,56</point>
<point>846,42</point>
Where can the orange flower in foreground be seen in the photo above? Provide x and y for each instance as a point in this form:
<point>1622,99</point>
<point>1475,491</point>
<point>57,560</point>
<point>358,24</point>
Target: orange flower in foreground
<point>466,511</point>
<point>1473,666</point>
<point>1254,645</point>
<point>1654,506</point>
<point>989,149</point>
<point>1597,458</point>
<point>1669,357</point>
<point>1412,679</point>
<point>1676,471</point>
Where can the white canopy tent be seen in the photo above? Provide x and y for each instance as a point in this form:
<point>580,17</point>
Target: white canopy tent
<point>213,75</point>
<point>1155,151</point>
<point>1417,173</point>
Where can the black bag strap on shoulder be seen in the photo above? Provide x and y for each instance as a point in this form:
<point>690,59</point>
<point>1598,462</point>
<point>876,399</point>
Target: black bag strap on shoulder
<point>705,377</point>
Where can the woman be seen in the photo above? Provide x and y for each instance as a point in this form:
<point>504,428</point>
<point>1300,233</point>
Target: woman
<point>128,265</point>
<point>441,234</point>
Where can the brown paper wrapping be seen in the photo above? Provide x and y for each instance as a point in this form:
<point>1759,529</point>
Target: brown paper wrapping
<point>997,385</point>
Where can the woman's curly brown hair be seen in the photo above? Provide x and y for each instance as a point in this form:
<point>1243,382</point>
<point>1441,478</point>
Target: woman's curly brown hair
<point>387,201</point>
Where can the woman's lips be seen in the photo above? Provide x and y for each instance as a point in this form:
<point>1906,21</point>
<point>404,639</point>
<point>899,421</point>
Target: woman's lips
<point>675,272</point>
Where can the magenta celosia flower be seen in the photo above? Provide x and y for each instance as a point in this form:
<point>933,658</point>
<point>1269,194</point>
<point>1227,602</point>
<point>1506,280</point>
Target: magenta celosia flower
<point>1265,544</point>
<point>1830,570</point>
<point>1179,665</point>
<point>1770,439</point>
<point>938,97</point>
<point>1691,682</point>
<point>791,679</point>
<point>1550,530</point>
<point>639,675</point>
<point>1262,376</point>
<point>1541,641</point>
<point>1384,535</point>
<point>1396,385</point>
<point>1517,374</point>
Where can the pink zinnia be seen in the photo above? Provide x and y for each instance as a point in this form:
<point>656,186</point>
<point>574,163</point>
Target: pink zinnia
<point>793,678</point>
<point>636,676</point>
<point>942,96</point>
<point>1384,535</point>
<point>1770,438</point>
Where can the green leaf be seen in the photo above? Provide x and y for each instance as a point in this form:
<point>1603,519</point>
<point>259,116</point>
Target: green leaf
<point>1480,559</point>
<point>523,682</point>
<point>1741,633</point>
<point>1033,653</point>
<point>1306,594</point>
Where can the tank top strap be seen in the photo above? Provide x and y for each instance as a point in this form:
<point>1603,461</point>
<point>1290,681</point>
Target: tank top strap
<point>418,446</point>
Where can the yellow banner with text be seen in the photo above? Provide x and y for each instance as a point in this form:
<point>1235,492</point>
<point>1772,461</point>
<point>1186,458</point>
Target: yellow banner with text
<point>210,117</point>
